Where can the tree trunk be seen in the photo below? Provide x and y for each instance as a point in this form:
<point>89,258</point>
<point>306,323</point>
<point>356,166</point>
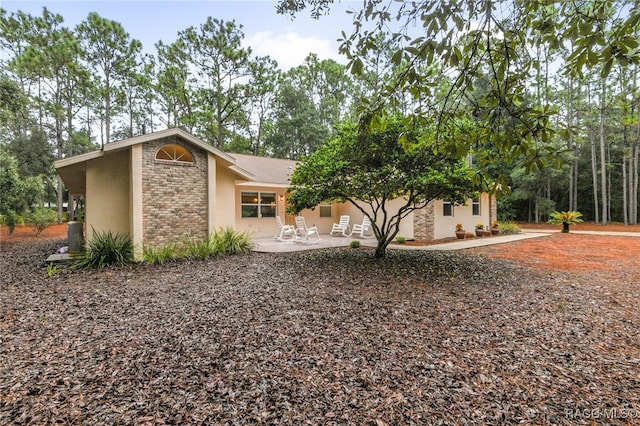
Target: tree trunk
<point>107,110</point>
<point>624,182</point>
<point>59,120</point>
<point>70,203</point>
<point>594,174</point>
<point>634,185</point>
<point>634,155</point>
<point>603,155</point>
<point>572,145</point>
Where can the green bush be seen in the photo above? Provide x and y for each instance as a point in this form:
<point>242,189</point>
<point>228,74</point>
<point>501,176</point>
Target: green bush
<point>41,218</point>
<point>508,228</point>
<point>106,249</point>
<point>11,219</point>
<point>354,244</point>
<point>401,240</point>
<point>228,241</point>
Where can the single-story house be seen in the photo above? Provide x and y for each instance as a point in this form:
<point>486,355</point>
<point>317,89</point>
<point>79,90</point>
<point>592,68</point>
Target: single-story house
<point>160,186</point>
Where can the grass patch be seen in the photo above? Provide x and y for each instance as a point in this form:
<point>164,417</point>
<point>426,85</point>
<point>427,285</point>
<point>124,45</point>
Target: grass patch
<point>161,255</point>
<point>222,242</point>
<point>193,248</point>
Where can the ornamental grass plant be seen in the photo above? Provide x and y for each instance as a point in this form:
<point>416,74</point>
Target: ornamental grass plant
<point>106,249</point>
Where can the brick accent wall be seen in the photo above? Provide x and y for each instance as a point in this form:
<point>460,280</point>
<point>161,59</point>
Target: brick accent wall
<point>423,223</point>
<point>174,195</point>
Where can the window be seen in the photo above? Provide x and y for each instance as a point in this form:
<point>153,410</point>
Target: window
<point>447,208</point>
<point>325,211</point>
<point>258,204</point>
<point>175,154</point>
<point>475,205</point>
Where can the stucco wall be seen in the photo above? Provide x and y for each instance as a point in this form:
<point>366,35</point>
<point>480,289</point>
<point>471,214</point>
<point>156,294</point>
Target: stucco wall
<point>174,195</point>
<point>259,226</point>
<point>107,194</point>
<point>444,226</point>
<point>406,226</point>
<point>225,199</point>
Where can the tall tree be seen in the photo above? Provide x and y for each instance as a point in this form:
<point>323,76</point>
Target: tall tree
<point>52,58</point>
<point>220,64</point>
<point>112,55</point>
<point>171,86</point>
<point>261,94</point>
<point>16,29</point>
<point>297,129</point>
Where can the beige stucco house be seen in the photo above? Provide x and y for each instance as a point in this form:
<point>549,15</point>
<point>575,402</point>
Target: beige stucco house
<point>163,185</point>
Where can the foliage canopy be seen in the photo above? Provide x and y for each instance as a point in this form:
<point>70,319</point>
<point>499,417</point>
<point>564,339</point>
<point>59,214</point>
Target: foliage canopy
<point>496,40</point>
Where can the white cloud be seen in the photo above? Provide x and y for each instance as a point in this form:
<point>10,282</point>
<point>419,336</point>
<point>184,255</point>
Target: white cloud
<point>290,49</point>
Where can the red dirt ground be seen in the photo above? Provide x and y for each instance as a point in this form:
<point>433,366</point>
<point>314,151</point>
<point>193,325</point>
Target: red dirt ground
<point>567,252</point>
<point>26,233</point>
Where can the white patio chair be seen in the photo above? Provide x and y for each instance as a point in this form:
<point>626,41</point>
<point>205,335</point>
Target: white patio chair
<point>303,232</point>
<point>363,230</point>
<point>341,228</point>
<point>284,232</point>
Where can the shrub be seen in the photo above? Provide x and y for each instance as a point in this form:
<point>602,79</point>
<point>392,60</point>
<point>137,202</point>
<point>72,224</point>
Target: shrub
<point>41,218</point>
<point>11,219</point>
<point>354,244</point>
<point>509,228</point>
<point>106,249</point>
<point>401,240</point>
<point>228,241</point>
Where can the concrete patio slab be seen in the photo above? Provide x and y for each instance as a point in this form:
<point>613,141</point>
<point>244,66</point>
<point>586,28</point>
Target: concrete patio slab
<point>270,245</point>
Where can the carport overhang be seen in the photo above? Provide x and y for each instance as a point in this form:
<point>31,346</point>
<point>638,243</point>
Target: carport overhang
<point>73,171</point>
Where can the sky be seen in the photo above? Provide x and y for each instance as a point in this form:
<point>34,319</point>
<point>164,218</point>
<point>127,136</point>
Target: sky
<point>284,39</point>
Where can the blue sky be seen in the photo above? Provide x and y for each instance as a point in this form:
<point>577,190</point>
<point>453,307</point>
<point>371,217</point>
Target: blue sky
<point>286,40</point>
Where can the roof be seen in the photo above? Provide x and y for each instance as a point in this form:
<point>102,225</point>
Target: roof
<point>271,171</point>
<point>73,169</point>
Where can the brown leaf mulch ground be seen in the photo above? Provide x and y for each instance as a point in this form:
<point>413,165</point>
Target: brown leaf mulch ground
<point>327,337</point>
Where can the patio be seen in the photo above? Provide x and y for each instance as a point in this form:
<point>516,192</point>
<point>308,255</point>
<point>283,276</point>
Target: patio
<point>271,245</point>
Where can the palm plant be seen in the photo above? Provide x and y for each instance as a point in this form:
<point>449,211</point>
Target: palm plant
<point>565,219</point>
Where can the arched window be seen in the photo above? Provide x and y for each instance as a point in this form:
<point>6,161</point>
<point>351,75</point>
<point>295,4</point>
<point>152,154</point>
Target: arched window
<point>174,153</point>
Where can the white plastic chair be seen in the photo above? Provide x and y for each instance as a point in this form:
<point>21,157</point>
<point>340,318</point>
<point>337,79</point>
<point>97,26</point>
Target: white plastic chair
<point>303,232</point>
<point>363,230</point>
<point>284,232</point>
<point>341,228</point>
